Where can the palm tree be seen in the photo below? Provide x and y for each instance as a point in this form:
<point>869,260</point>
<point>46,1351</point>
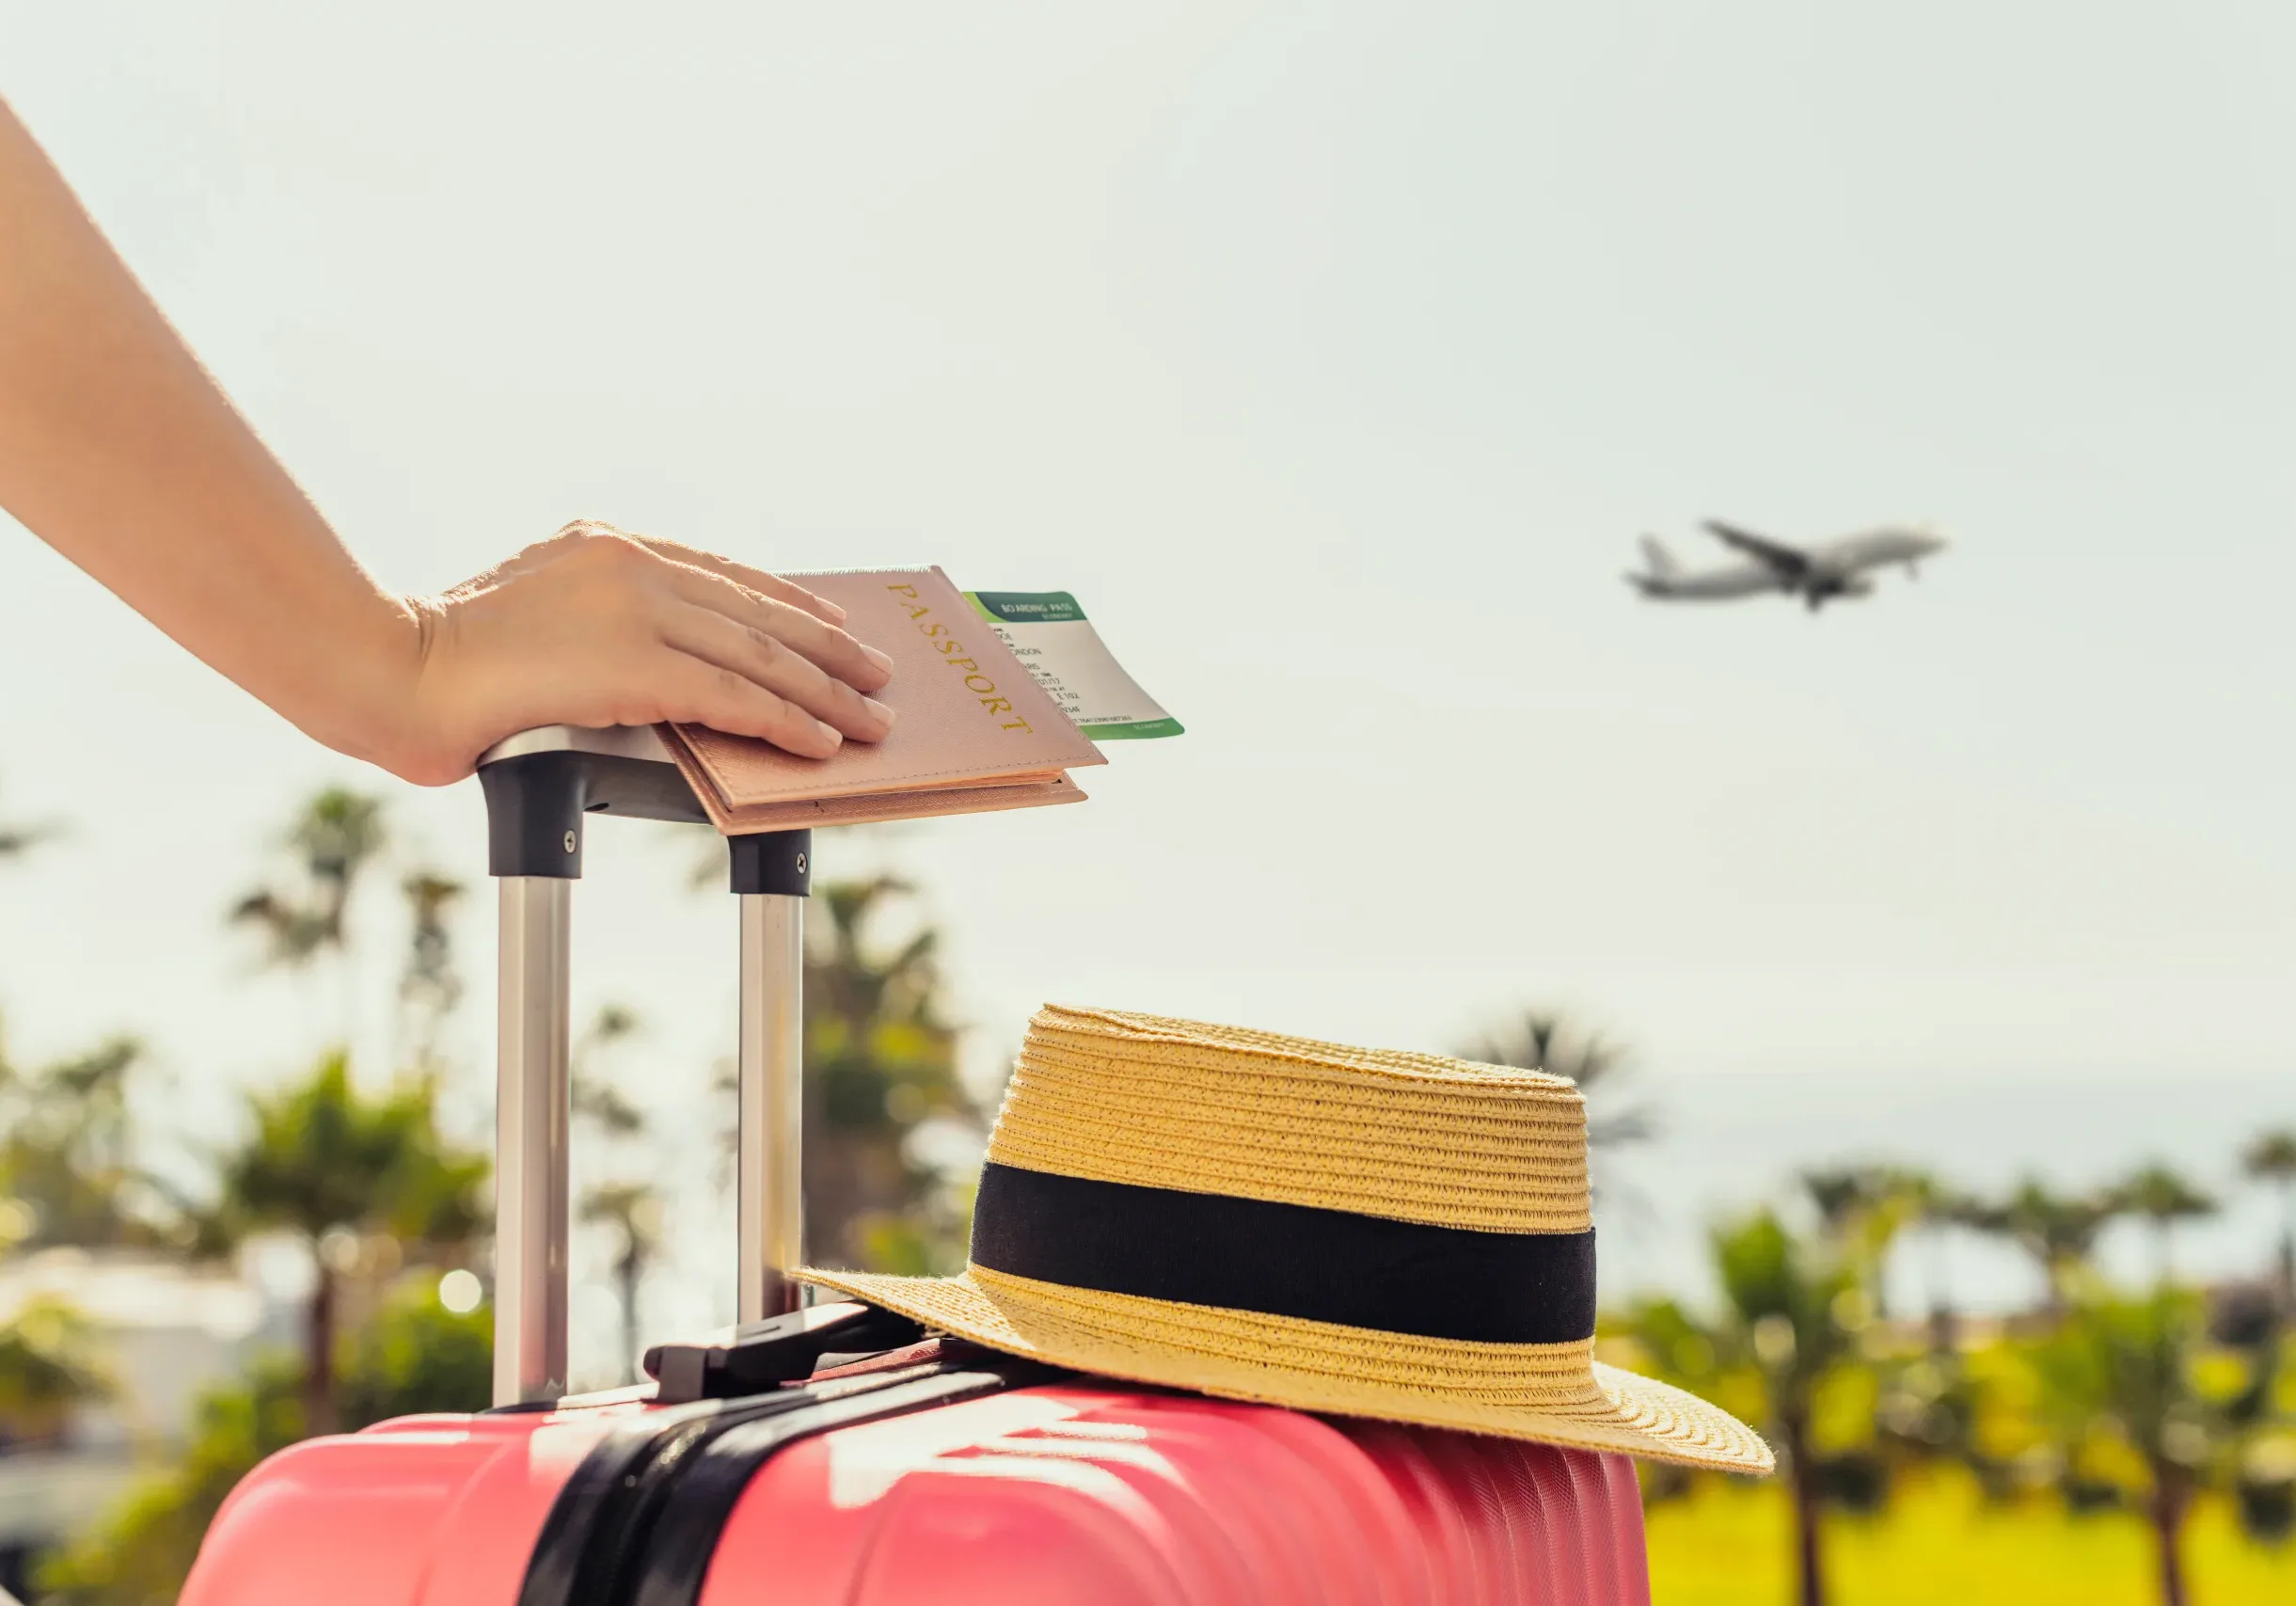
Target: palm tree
<point>2272,1159</point>
<point>2117,1377</point>
<point>1860,1211</point>
<point>1846,1197</point>
<point>430,987</point>
<point>880,1062</point>
<point>1933,1208</point>
<point>1863,1210</point>
<point>66,1167</point>
<point>632,1209</point>
<point>2163,1199</point>
<point>2058,1230</point>
<point>1784,1303</point>
<point>1549,1040</point>
<point>67,1160</point>
<point>332,1166</point>
<point>302,918</point>
<point>597,1098</point>
<point>18,840</point>
<point>879,1068</point>
<point>335,838</point>
<point>44,1376</point>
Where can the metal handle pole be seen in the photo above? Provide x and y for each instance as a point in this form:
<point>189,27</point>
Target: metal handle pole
<point>771,1190</point>
<point>531,1110</point>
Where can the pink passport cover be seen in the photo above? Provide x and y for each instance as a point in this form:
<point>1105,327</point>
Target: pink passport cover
<point>972,733</point>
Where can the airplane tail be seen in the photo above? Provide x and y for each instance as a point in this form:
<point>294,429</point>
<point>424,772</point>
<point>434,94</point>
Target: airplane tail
<point>1661,562</point>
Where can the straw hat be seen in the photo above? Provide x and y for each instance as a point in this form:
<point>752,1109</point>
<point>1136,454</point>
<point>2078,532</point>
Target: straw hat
<point>1343,1229</point>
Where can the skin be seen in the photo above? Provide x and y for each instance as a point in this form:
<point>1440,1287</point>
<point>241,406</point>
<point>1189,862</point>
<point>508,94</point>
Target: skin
<point>120,451</point>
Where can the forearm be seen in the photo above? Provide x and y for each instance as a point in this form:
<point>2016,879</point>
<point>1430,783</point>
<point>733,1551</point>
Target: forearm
<point>120,452</point>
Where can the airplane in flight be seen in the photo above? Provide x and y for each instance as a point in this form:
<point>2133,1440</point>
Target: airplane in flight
<point>1843,567</point>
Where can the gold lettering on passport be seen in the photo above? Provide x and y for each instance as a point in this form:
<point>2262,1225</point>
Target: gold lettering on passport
<point>980,685</point>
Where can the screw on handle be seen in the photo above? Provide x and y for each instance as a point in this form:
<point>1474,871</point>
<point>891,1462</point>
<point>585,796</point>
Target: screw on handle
<point>771,861</point>
<point>534,810</point>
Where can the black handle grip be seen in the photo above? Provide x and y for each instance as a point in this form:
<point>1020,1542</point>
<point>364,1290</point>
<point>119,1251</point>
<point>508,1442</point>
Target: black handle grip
<point>536,804</point>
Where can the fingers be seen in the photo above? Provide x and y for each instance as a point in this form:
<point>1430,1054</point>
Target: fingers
<point>768,585</point>
<point>863,668</point>
<point>598,625</point>
<point>759,656</point>
<point>692,691</point>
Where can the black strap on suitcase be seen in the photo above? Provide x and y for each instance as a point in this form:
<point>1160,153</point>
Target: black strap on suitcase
<point>639,1521</point>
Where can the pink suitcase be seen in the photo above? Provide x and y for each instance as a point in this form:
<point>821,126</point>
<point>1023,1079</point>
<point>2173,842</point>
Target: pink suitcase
<point>834,1453</point>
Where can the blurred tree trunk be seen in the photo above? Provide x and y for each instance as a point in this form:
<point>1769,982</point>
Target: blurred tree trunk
<point>318,1351</point>
<point>2287,1288</point>
<point>631,1208</point>
<point>630,1275</point>
<point>2165,1509</point>
<point>2172,1485</point>
<point>634,1212</point>
<point>1944,1321</point>
<point>1801,1473</point>
<point>1785,1296</point>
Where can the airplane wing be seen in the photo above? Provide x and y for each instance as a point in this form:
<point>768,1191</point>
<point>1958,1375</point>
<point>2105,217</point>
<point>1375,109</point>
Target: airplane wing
<point>1787,563</point>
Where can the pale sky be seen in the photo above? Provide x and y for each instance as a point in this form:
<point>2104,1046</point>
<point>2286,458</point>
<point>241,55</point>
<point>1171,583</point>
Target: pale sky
<point>1334,355</point>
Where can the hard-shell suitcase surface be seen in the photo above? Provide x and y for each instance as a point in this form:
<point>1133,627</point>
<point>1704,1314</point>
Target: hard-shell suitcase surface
<point>771,1465</point>
<point>1061,1492</point>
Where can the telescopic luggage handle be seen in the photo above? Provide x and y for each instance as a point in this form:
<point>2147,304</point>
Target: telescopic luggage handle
<point>541,785</point>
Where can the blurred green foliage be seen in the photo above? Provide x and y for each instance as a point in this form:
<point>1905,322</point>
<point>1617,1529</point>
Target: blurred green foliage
<point>138,1554</point>
<point>67,1167</point>
<point>418,1356</point>
<point>2144,1404</point>
<point>415,1356</point>
<point>880,1069</point>
<point>44,1371</point>
<point>347,1174</point>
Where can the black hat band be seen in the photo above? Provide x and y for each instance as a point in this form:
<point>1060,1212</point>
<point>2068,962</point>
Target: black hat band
<point>1286,1260</point>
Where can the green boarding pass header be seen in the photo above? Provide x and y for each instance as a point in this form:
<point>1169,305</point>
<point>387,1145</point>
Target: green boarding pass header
<point>1048,632</point>
<point>1027,607</point>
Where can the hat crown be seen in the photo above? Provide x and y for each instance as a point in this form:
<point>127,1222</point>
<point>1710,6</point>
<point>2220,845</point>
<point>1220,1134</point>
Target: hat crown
<point>1145,1100</point>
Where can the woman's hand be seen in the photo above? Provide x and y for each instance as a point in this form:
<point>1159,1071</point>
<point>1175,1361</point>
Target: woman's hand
<point>597,627</point>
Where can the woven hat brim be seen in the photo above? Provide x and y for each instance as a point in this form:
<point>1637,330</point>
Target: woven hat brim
<point>1550,1393</point>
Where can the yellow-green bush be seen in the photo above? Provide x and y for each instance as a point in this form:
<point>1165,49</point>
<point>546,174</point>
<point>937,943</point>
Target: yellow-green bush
<point>1728,1543</point>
